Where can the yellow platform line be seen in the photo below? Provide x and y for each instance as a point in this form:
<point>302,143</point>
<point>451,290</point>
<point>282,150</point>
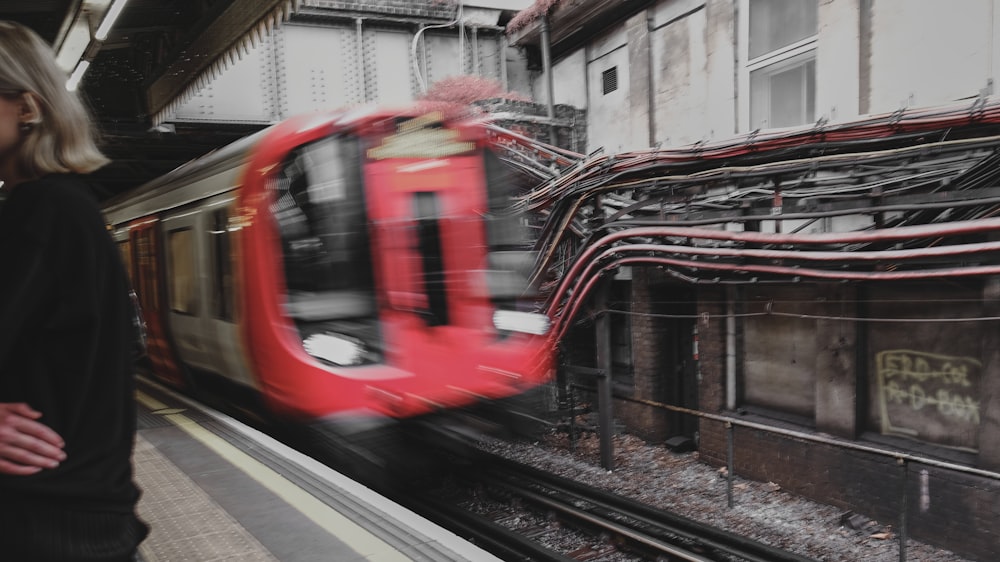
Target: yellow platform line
<point>332,521</point>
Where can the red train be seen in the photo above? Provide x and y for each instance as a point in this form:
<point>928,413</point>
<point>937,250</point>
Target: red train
<point>339,264</point>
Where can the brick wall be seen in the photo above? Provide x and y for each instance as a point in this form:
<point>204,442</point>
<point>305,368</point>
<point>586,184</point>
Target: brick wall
<point>648,359</point>
<point>712,355</point>
<point>959,512</point>
<point>948,509</point>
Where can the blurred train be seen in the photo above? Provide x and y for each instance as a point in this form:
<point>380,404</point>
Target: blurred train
<point>344,264</point>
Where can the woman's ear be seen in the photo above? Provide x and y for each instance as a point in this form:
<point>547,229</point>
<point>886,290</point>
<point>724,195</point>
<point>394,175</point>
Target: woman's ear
<point>31,111</point>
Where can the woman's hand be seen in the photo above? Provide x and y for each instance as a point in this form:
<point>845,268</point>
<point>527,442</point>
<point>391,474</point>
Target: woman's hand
<point>26,445</point>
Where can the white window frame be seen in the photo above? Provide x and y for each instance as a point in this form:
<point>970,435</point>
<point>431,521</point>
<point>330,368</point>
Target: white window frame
<point>748,65</point>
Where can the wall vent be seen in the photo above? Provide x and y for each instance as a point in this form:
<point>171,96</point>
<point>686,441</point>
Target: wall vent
<point>609,80</point>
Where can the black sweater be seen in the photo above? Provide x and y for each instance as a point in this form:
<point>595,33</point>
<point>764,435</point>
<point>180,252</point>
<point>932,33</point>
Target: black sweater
<point>65,344</point>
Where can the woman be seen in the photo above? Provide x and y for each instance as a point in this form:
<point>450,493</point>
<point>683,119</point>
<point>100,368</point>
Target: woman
<point>67,410</point>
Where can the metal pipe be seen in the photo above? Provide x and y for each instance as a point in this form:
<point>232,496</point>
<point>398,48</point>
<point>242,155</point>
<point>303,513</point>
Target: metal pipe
<point>730,468</point>
<point>900,233</point>
<point>561,324</point>
<point>650,81</point>
<point>902,511</point>
<point>815,438</point>
<point>730,348</point>
<point>360,46</point>
<point>602,331</point>
<point>549,80</point>
<point>503,62</point>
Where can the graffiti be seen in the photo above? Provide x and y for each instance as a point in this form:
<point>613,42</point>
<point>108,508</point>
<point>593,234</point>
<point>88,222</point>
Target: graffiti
<point>918,389</point>
<point>948,404</point>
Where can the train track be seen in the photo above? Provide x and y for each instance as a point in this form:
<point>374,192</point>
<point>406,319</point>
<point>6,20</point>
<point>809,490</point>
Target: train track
<point>529,509</point>
<point>524,514</point>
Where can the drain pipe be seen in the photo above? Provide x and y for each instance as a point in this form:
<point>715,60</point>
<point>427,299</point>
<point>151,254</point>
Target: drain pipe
<point>549,82</point>
<point>730,348</point>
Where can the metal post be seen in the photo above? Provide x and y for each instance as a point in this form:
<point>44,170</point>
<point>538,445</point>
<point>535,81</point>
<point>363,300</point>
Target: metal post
<point>902,511</point>
<point>729,463</point>
<point>504,81</point>
<point>607,421</point>
<point>572,420</point>
<point>360,59</point>
<point>603,335</point>
<point>549,80</point>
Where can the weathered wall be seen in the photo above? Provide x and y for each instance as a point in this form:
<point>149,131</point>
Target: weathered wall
<point>928,53</point>
<point>609,113</point>
<point>942,504</point>
<point>570,82</point>
<point>686,75</point>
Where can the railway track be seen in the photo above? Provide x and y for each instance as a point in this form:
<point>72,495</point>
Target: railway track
<point>521,513</point>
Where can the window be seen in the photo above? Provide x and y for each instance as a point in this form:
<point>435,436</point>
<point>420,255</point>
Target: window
<point>609,80</point>
<point>320,209</point>
<point>181,271</point>
<point>222,266</point>
<point>780,63</point>
<point>125,248</point>
<point>148,285</point>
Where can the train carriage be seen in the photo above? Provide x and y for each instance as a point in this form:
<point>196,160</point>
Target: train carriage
<point>350,263</point>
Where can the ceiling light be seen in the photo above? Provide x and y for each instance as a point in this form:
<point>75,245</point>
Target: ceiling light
<point>74,79</point>
<point>109,19</point>
<point>79,47</point>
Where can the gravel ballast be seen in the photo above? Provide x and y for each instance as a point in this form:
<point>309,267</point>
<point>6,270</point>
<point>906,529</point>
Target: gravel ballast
<point>679,482</point>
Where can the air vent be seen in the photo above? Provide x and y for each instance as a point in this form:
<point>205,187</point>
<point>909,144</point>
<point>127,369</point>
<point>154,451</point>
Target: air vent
<point>609,80</point>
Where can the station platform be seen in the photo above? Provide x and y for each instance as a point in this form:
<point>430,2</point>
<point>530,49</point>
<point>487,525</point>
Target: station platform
<point>216,489</point>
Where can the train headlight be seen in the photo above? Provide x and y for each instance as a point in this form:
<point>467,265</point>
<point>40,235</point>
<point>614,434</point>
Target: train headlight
<point>525,322</point>
<point>335,349</point>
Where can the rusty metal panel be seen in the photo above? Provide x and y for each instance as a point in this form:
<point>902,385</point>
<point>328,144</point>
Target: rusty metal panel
<point>240,94</point>
<point>317,68</point>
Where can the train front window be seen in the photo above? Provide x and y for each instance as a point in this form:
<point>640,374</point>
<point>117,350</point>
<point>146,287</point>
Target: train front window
<point>511,258</point>
<point>319,207</point>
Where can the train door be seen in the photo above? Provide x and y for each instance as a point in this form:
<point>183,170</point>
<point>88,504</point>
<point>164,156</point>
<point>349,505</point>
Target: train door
<point>221,331</point>
<point>148,283</point>
<point>184,257</point>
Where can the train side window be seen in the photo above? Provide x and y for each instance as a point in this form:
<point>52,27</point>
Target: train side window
<point>125,249</point>
<point>148,283</point>
<point>222,266</point>
<point>181,271</point>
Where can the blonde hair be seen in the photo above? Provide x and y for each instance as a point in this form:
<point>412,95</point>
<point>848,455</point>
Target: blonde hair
<point>63,138</point>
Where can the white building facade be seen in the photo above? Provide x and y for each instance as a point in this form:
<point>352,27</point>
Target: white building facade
<point>676,72</point>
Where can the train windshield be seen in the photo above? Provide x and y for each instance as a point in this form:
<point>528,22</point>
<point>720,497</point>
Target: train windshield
<point>320,210</point>
<point>510,239</point>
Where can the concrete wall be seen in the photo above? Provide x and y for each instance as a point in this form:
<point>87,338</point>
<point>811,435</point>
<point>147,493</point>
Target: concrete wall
<point>927,53</point>
<point>687,73</point>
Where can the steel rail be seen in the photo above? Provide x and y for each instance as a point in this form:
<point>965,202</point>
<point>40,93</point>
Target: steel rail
<point>650,531</point>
